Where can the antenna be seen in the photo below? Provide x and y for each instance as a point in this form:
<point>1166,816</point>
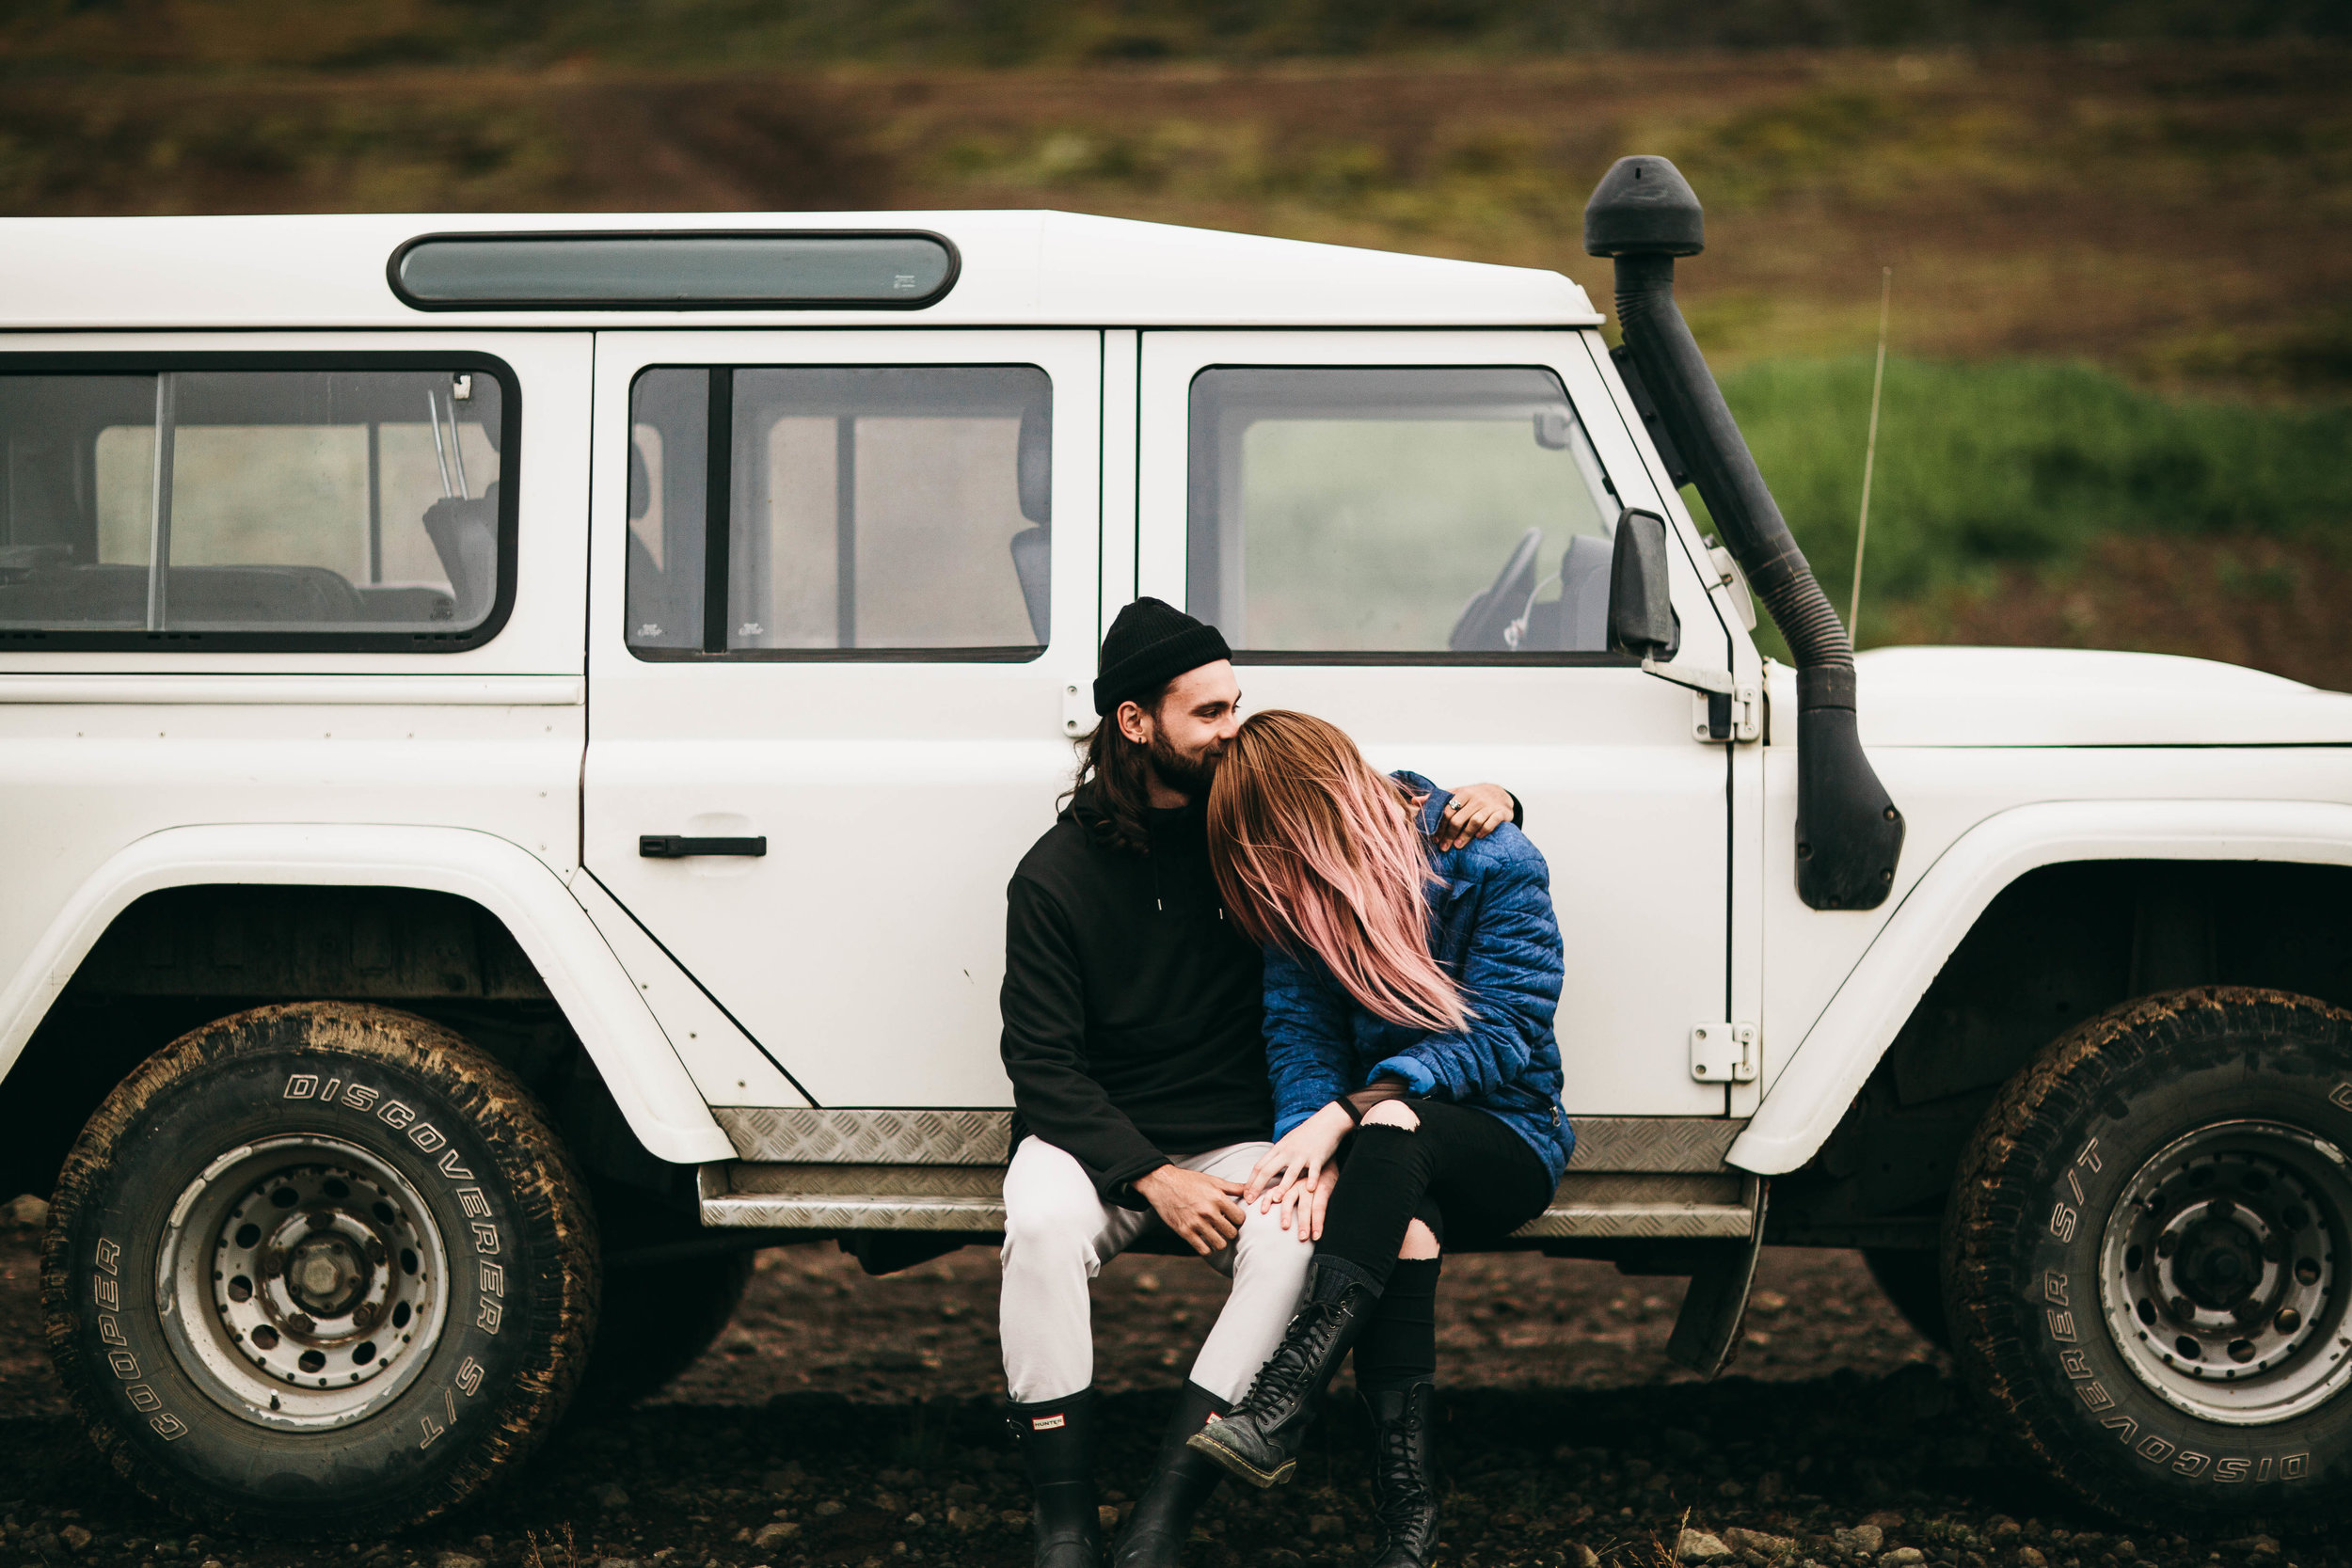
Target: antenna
<point>1870,453</point>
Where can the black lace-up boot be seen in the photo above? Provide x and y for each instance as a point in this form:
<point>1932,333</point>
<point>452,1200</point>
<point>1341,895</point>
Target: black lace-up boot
<point>1403,1480</point>
<point>1056,1439</point>
<point>1181,1482</point>
<point>1260,1439</point>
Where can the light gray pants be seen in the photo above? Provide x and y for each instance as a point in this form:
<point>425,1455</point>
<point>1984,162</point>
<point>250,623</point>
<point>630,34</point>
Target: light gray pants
<point>1058,1233</point>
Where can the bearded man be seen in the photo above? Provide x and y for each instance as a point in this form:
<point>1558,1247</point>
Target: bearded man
<point>1134,1035</point>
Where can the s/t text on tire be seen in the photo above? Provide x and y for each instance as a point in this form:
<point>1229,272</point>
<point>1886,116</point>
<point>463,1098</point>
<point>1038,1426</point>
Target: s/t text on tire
<point>318,1268</point>
<point>2147,1262</point>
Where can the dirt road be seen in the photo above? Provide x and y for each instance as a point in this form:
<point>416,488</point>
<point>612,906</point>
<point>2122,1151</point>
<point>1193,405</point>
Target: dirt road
<point>848,1420</point>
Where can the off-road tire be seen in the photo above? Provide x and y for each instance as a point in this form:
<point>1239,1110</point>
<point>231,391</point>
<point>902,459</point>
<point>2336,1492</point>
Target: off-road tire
<point>2081,1222</point>
<point>657,1320</point>
<point>375,1201</point>
<point>1912,1279</point>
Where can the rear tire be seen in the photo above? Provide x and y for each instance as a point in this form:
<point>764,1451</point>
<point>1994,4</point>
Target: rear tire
<point>2149,1258</point>
<point>315,1268</point>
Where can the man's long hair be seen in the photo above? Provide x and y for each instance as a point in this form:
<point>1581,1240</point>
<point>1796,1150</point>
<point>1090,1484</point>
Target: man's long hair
<point>1116,774</point>
<point>1313,848</point>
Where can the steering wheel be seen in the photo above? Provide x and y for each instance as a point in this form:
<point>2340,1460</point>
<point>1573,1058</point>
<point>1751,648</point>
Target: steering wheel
<point>1480,626</point>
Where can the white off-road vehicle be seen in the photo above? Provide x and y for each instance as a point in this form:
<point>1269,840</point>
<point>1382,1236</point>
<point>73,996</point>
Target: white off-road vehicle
<point>514,732</point>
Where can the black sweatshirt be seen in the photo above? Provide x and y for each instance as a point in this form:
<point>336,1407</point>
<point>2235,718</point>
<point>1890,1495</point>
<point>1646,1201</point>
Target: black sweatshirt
<point>1133,1007</point>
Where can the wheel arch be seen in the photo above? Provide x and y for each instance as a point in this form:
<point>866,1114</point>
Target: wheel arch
<point>1829,1066</point>
<point>526,899</point>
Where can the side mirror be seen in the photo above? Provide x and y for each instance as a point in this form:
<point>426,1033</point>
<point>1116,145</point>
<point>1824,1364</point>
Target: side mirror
<point>1641,614</point>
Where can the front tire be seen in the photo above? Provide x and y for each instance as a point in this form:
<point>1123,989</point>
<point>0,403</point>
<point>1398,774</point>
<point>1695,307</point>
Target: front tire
<point>2150,1257</point>
<point>322,1268</point>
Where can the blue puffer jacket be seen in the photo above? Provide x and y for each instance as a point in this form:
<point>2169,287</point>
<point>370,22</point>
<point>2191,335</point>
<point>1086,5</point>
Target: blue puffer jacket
<point>1491,927</point>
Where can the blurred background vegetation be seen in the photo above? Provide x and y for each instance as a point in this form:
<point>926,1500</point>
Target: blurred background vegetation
<point>2119,410</point>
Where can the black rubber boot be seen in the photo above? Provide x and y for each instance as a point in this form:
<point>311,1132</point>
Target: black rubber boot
<point>1260,1439</point>
<point>1181,1482</point>
<point>1403,1480</point>
<point>1057,1441</point>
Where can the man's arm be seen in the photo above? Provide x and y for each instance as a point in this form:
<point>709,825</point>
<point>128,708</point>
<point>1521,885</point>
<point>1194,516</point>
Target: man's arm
<point>1044,1003</point>
<point>1475,811</point>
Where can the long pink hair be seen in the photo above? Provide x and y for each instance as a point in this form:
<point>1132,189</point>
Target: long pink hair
<point>1311,845</point>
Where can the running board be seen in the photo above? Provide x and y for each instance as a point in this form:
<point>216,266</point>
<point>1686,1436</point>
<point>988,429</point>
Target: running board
<point>970,1200</point>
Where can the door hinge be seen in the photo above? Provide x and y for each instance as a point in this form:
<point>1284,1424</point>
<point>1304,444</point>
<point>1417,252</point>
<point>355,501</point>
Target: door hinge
<point>1722,1053</point>
<point>1077,710</point>
<point>1723,707</point>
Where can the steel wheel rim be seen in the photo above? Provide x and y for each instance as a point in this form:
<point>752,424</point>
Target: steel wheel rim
<point>2222,1272</point>
<point>302,1282</point>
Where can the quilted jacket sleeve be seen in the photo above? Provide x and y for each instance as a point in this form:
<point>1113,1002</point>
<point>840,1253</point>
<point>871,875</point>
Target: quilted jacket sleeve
<point>1510,976</point>
<point>1307,1038</point>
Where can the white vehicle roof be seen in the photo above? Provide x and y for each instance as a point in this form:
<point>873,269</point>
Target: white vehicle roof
<point>1018,268</point>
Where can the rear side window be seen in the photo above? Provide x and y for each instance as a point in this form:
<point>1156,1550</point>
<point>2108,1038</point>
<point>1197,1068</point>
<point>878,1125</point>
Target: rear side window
<point>238,505</point>
<point>869,511</point>
<point>1396,513</point>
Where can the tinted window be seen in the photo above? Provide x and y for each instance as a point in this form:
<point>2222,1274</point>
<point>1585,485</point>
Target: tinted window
<point>250,501</point>
<point>876,511</point>
<point>1396,510</point>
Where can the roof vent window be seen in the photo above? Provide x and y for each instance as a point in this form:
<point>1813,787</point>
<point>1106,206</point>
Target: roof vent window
<point>673,271</point>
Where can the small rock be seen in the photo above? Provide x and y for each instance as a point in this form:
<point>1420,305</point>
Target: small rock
<point>2030,1556</point>
<point>1325,1524</point>
<point>210,1562</point>
<point>770,1534</point>
<point>1884,1519</point>
<point>1902,1557</point>
<point>27,1210</point>
<point>1697,1546</point>
<point>1582,1557</point>
<point>1863,1540</point>
<point>74,1536</point>
<point>459,1560</point>
<point>1757,1541</point>
<point>620,1563</point>
<point>1148,1283</point>
<point>2003,1527</point>
<point>831,1506</point>
<point>610,1495</point>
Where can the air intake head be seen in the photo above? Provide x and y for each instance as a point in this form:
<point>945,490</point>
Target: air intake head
<point>1642,206</point>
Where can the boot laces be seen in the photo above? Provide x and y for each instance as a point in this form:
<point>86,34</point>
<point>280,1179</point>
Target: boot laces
<point>1402,1492</point>
<point>1292,1366</point>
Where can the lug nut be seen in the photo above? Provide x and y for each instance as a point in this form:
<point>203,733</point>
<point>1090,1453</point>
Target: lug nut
<point>363,1315</point>
<point>300,1322</point>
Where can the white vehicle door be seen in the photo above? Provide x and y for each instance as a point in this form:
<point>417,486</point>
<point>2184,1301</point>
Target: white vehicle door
<point>822,733</point>
<point>1410,534</point>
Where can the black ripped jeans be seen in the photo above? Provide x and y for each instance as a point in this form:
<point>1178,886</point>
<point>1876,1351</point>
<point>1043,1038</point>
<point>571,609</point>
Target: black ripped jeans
<point>1461,1171</point>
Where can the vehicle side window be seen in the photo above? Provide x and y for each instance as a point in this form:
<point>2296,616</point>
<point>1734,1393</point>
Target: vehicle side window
<point>872,512</point>
<point>208,507</point>
<point>1396,512</point>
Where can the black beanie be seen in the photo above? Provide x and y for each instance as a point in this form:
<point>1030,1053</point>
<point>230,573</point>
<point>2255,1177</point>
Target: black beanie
<point>1151,644</point>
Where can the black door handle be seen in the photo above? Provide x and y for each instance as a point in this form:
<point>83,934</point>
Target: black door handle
<point>671,846</point>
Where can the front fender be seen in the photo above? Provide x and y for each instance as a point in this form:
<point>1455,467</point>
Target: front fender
<point>1832,1062</point>
<point>628,1048</point>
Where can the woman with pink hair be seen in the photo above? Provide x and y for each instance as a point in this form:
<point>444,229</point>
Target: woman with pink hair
<point>1409,994</point>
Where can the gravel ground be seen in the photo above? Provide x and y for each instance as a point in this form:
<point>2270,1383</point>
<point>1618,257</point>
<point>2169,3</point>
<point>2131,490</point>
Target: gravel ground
<point>848,1420</point>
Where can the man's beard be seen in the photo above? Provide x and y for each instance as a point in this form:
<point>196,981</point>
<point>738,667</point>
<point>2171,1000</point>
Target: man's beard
<point>1188,775</point>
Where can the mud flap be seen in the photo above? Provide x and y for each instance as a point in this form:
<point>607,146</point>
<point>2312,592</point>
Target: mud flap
<point>1707,1331</point>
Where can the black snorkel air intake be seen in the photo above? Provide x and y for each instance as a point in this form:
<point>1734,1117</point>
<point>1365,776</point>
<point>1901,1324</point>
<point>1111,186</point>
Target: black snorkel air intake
<point>1849,833</point>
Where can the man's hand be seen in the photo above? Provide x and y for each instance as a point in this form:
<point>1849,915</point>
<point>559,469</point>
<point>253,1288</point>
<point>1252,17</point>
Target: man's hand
<point>1197,1207</point>
<point>1475,811</point>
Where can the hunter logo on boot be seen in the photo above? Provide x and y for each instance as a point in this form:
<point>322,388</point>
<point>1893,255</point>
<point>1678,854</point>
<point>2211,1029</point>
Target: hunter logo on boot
<point>1047,1423</point>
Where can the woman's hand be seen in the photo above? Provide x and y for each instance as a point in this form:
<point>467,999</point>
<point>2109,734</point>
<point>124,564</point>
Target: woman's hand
<point>1394,1112</point>
<point>1303,1210</point>
<point>1300,1157</point>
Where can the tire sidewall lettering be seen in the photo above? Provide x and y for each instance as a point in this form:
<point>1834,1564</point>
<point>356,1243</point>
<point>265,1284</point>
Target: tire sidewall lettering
<point>137,1371</point>
<point>2064,1324</point>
